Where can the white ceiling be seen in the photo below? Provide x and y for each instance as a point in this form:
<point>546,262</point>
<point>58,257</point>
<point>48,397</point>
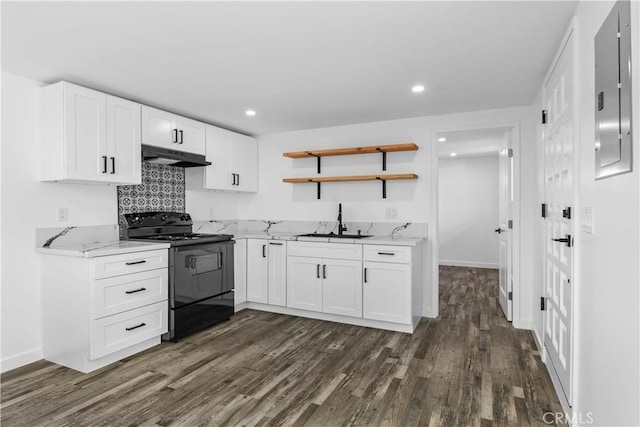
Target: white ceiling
<point>472,143</point>
<point>300,65</point>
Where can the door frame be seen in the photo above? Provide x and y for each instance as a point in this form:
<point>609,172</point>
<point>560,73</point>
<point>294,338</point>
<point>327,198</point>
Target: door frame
<point>514,128</point>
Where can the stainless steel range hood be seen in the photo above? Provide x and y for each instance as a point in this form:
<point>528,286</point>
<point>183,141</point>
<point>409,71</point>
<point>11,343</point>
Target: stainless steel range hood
<point>167,156</point>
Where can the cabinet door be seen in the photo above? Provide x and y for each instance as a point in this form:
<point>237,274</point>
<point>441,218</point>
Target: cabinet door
<point>191,136</point>
<point>159,128</point>
<point>386,292</point>
<point>257,270</point>
<point>342,287</point>
<point>85,133</point>
<point>304,283</point>
<point>123,141</point>
<point>244,163</point>
<point>217,175</point>
<point>240,270</point>
<point>278,273</point>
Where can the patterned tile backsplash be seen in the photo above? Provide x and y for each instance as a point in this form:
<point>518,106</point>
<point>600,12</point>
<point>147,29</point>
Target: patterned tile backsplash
<point>162,189</point>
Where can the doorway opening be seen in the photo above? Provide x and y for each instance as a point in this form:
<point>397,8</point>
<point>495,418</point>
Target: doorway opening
<point>475,207</point>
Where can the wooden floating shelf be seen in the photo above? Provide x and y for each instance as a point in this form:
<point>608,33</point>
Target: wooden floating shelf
<point>382,178</point>
<point>373,149</point>
<point>385,177</point>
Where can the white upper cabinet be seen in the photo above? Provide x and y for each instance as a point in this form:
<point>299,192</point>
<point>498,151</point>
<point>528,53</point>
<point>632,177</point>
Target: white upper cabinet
<point>234,163</point>
<point>217,176</point>
<point>168,130</point>
<point>244,163</point>
<point>123,140</point>
<point>88,136</point>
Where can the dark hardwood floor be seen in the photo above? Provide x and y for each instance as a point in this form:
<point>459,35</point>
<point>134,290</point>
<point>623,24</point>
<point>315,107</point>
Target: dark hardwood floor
<point>469,367</point>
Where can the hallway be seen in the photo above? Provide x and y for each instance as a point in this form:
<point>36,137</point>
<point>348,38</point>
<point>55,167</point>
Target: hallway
<point>470,367</point>
<point>510,383</point>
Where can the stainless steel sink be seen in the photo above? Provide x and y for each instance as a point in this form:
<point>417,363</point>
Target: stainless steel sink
<point>335,236</point>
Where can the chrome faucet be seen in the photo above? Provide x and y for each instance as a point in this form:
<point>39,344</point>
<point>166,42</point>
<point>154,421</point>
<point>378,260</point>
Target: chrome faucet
<point>341,228</point>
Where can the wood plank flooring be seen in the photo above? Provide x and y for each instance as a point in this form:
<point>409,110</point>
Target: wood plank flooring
<point>469,367</point>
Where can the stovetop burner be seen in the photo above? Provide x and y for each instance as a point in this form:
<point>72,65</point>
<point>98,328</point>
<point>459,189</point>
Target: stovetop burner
<point>172,227</point>
<point>187,236</point>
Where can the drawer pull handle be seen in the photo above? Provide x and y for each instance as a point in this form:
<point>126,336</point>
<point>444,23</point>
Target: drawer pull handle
<point>136,262</point>
<point>136,290</point>
<point>277,244</point>
<point>386,253</point>
<point>136,327</point>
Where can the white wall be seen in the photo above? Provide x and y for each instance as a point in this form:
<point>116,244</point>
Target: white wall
<point>27,205</point>
<point>607,342</point>
<point>97,205</point>
<point>607,276</point>
<point>468,211</point>
<point>363,201</point>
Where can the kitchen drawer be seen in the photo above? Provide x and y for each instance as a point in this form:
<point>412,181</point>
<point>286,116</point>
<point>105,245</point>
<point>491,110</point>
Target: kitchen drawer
<point>120,293</point>
<point>117,265</point>
<point>325,250</point>
<point>385,253</point>
<point>113,333</point>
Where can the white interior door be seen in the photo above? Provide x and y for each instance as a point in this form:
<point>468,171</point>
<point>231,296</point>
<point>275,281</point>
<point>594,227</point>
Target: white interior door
<point>505,240</point>
<point>558,259</point>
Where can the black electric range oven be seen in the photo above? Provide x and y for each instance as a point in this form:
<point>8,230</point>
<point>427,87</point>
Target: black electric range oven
<point>200,269</point>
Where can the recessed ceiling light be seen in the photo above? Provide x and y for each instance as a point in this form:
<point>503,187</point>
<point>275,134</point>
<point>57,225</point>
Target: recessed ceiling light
<point>250,113</point>
<point>417,89</point>
<point>454,154</point>
<point>442,139</point>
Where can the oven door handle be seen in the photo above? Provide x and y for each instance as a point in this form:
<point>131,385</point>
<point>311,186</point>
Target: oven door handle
<point>205,263</point>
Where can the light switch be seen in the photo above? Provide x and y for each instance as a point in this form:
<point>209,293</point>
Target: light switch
<point>391,213</point>
<point>587,219</point>
<point>63,215</point>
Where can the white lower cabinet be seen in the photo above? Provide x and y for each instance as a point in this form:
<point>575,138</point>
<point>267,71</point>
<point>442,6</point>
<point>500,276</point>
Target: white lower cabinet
<point>99,310</point>
<point>277,283</point>
<point>113,333</point>
<point>304,283</point>
<point>266,271</point>
<point>386,292</point>
<point>330,283</point>
<point>240,271</point>
<point>342,287</point>
<point>257,271</point>
<point>368,285</point>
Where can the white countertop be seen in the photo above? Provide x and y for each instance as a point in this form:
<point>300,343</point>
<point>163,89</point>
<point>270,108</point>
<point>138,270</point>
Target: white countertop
<point>373,240</point>
<point>91,250</point>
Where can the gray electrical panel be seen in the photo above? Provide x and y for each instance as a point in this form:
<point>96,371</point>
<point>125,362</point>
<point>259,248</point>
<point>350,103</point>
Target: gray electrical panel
<point>613,93</point>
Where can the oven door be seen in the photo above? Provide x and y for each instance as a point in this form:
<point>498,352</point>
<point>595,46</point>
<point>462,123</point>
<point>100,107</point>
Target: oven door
<point>200,271</point>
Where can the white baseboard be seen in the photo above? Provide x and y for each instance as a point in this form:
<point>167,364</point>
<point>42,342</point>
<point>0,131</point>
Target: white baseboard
<point>523,324</point>
<point>470,264</point>
<point>21,359</point>
<point>240,306</point>
<point>538,340</point>
<point>566,406</point>
<point>358,321</point>
<point>428,312</point>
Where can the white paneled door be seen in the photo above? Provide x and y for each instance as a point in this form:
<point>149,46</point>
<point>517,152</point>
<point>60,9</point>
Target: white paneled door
<point>558,235</point>
<point>505,231</point>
